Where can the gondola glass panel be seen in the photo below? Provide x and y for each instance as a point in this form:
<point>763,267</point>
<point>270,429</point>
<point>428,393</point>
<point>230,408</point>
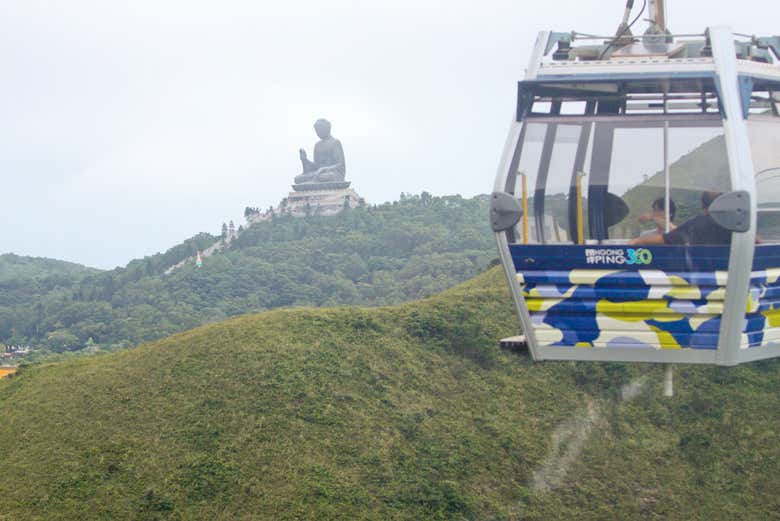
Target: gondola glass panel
<point>547,183</point>
<point>557,186</point>
<point>526,165</point>
<point>698,163</point>
<point>596,181</point>
<point>636,176</point>
<point>764,133</point>
<point>763,317</point>
<point>599,292</point>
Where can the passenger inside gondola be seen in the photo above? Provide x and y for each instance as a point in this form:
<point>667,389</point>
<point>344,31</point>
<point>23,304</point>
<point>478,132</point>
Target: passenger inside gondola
<point>698,231</point>
<point>657,215</point>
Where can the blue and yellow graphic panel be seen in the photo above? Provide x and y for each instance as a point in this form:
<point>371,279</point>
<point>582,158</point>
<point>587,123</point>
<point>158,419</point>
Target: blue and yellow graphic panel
<point>665,297</point>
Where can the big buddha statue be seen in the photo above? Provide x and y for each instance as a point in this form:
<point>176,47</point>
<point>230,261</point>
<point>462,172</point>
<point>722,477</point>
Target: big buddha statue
<point>327,165</point>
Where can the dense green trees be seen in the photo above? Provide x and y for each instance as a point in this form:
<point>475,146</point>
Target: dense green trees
<point>376,255</point>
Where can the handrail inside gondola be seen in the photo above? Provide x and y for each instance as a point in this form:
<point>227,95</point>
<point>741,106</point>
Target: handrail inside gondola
<point>580,213</point>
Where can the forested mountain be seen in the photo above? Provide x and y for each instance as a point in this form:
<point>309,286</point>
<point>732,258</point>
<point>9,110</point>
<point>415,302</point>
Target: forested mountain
<point>375,255</point>
<point>17,267</point>
<point>24,279</point>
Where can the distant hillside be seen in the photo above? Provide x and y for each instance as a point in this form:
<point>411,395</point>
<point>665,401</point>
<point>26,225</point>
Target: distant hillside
<point>383,254</point>
<point>17,267</point>
<point>405,413</point>
<point>23,279</point>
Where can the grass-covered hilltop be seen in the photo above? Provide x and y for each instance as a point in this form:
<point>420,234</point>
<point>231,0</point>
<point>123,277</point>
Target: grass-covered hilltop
<point>406,412</point>
<point>383,254</point>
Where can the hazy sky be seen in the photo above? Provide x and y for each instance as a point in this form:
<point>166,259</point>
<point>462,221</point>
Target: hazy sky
<point>126,127</point>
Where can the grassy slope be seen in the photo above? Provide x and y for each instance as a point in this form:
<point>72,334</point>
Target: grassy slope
<point>407,412</point>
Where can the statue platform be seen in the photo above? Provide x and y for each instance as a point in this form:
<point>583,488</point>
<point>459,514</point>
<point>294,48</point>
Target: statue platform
<point>333,185</point>
<point>312,199</point>
<point>320,199</point>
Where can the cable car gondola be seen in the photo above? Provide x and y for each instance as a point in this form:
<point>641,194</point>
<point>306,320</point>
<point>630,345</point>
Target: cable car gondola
<point>604,134</point>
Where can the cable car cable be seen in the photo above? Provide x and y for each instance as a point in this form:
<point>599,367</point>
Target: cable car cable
<point>625,29</point>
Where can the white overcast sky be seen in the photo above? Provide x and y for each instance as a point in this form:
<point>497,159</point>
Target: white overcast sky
<point>126,127</point>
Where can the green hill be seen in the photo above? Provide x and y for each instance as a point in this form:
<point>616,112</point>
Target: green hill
<point>377,255</point>
<point>16,267</point>
<point>406,412</point>
<point>24,278</point>
<point>24,283</point>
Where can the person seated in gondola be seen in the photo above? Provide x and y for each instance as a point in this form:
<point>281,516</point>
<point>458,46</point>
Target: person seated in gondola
<point>700,230</point>
<point>657,215</point>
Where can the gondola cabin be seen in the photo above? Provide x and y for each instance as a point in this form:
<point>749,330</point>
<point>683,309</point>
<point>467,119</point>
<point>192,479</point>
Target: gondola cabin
<point>637,202</point>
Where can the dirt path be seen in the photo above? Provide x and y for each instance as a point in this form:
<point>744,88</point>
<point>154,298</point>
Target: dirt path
<point>569,438</point>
